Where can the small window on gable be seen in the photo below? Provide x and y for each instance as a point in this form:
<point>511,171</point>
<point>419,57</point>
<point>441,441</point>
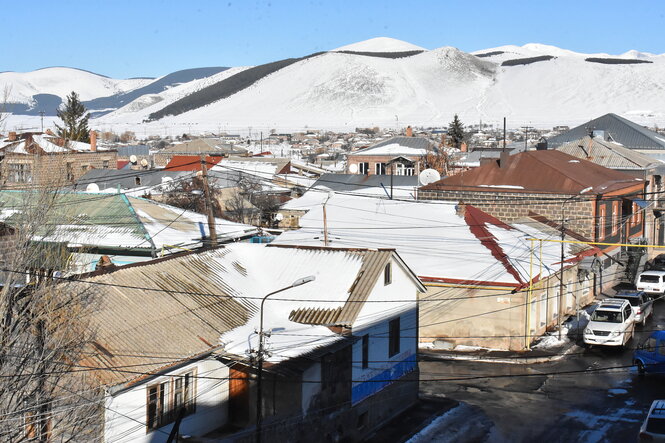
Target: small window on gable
<point>137,180</point>
<point>388,274</point>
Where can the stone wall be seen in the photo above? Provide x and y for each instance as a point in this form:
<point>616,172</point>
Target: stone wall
<point>510,206</point>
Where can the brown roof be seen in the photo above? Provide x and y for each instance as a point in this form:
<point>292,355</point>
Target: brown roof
<point>538,171</point>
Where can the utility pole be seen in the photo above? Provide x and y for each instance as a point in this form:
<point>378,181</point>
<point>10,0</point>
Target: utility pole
<point>526,135</point>
<point>504,133</point>
<point>211,218</point>
<point>325,220</point>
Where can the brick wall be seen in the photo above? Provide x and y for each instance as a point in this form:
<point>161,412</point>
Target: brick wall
<point>510,206</point>
<point>55,169</point>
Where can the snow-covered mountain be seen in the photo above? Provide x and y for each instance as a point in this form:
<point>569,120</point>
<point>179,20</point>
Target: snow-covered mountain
<point>387,82</point>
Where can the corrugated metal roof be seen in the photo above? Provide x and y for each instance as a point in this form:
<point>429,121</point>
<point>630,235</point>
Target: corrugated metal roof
<point>204,146</point>
<point>537,171</point>
<point>358,182</point>
<point>182,307</point>
<point>608,154</point>
<point>126,151</point>
<point>629,134</point>
<point>112,178</point>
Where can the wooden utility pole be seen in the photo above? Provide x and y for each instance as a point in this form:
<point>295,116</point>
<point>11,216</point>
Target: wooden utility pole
<point>211,218</point>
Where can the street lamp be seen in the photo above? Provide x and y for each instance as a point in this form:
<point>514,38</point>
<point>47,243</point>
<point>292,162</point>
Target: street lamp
<point>563,234</point>
<point>259,409</point>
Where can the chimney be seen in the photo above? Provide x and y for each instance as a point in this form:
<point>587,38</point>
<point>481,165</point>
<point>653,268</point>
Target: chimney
<point>460,209</point>
<point>93,141</point>
<point>504,159</point>
<point>12,136</point>
<point>49,132</point>
<point>409,131</point>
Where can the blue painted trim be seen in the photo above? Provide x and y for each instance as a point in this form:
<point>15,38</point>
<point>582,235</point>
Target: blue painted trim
<point>370,387</point>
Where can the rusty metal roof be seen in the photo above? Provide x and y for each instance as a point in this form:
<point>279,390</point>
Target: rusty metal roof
<point>609,154</point>
<point>538,171</point>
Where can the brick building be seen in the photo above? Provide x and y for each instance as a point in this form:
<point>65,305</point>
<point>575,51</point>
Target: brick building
<point>375,159</point>
<point>596,203</point>
<point>43,159</point>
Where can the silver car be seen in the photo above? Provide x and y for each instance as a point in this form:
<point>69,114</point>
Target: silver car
<point>642,304</point>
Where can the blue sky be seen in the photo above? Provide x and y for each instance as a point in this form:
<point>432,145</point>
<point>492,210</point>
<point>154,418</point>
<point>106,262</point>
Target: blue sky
<point>121,38</point>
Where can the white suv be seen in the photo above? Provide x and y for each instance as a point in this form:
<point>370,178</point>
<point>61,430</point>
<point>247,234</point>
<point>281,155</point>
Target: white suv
<point>651,282</point>
<point>611,324</point>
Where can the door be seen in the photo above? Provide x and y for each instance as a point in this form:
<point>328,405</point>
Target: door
<point>238,397</point>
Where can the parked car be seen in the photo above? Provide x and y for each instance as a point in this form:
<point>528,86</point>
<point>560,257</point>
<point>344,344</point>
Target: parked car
<point>650,355</point>
<point>641,303</point>
<point>651,282</point>
<point>611,324</point>
<point>653,428</point>
<point>656,264</point>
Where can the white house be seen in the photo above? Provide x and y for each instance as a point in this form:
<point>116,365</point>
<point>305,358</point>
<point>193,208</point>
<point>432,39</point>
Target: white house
<point>176,343</point>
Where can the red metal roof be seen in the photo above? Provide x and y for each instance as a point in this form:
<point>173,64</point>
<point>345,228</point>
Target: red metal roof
<point>538,171</point>
<point>190,163</point>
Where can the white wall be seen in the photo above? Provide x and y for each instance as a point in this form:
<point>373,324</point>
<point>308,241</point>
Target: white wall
<point>126,412</point>
<point>396,299</point>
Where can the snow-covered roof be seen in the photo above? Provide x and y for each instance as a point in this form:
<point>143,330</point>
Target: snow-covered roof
<point>436,242</point>
<point>396,146</point>
<point>224,287</point>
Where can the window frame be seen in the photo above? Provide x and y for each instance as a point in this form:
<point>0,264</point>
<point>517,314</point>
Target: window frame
<point>388,274</point>
<point>615,218</point>
<point>602,213</point>
<point>166,409</point>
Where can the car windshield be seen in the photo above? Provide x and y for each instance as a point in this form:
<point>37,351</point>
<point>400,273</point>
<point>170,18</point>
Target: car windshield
<point>656,425</point>
<point>634,301</point>
<point>649,278</point>
<point>606,316</point>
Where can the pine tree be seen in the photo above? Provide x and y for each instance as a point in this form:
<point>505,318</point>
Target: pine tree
<point>74,117</point>
<point>456,131</point>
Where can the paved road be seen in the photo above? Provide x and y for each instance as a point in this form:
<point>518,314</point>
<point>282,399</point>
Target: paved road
<point>520,403</point>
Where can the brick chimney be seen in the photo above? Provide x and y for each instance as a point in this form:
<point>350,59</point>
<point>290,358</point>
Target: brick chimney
<point>93,141</point>
<point>12,136</point>
<point>49,132</point>
<point>460,208</point>
<point>409,131</point>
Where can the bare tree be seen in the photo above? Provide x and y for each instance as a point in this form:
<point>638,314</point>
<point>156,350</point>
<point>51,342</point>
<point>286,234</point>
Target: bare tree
<point>4,106</point>
<point>44,331</point>
<point>239,207</point>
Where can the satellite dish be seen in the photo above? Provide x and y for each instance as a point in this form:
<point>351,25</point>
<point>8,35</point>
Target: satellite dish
<point>144,163</point>
<point>199,173</point>
<point>428,176</point>
<point>92,187</point>
<point>166,180</point>
<point>133,159</point>
<point>279,217</point>
<point>353,168</point>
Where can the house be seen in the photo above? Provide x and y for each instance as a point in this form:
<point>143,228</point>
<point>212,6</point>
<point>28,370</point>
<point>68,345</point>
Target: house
<point>406,153</point>
<point>489,283</point>
<point>340,350</point>
<point>615,128</point>
<point>121,228</point>
<point>208,146</point>
<point>600,204</point>
<point>42,159</point>
<point>615,156</point>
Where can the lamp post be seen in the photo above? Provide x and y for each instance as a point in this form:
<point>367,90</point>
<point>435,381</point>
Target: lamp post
<point>563,235</point>
<point>259,409</point>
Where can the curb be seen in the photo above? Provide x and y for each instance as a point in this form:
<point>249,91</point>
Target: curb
<point>515,359</point>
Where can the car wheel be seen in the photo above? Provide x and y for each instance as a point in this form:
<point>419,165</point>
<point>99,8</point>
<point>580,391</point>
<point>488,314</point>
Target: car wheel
<point>640,369</point>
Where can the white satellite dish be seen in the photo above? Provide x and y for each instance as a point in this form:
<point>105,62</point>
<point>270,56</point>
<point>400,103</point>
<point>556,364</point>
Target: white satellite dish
<point>133,159</point>
<point>144,163</point>
<point>428,176</point>
<point>92,187</point>
<point>279,216</point>
<point>353,168</point>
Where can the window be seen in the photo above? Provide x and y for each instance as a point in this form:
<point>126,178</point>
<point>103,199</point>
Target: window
<point>84,168</point>
<point>387,274</point>
<point>365,351</point>
<point>105,164</point>
<point>363,168</point>
<point>402,169</point>
<point>20,172</point>
<point>393,337</point>
<point>601,223</point>
<point>615,218</point>
<point>380,168</point>
<point>165,400</point>
<point>70,171</point>
<point>157,405</point>
<point>137,180</point>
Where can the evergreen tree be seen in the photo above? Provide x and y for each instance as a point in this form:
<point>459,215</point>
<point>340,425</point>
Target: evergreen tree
<point>456,132</point>
<point>74,117</point>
